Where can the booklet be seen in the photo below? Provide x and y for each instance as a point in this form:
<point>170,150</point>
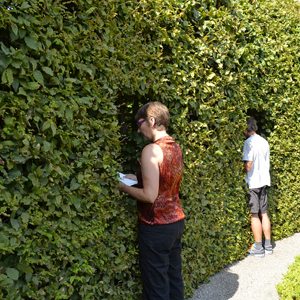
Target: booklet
<point>126,180</point>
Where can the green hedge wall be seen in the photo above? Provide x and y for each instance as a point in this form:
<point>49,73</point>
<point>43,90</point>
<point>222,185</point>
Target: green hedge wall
<point>73,74</point>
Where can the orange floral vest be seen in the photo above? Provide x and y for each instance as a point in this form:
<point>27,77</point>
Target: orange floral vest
<point>166,208</point>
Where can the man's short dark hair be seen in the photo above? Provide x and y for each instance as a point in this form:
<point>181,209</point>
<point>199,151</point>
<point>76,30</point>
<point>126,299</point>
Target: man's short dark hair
<point>251,124</point>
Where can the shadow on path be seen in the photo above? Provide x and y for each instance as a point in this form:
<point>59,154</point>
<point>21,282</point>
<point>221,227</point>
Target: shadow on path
<point>222,286</point>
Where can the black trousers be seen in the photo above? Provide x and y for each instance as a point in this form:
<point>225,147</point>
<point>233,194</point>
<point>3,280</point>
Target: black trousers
<point>160,261</point>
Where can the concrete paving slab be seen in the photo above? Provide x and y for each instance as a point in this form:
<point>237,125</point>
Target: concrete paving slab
<point>252,278</point>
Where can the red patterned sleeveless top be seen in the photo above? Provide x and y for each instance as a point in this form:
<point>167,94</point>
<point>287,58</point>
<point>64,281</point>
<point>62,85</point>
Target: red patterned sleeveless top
<point>166,208</point>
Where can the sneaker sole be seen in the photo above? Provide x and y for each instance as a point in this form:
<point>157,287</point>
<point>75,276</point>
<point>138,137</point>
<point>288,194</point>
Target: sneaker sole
<point>259,255</point>
<point>269,252</point>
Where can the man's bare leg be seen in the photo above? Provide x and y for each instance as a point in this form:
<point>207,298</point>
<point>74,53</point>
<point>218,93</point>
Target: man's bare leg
<point>257,249</point>
<point>266,225</point>
<point>256,226</point>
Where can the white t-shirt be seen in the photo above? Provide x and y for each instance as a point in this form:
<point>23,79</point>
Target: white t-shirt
<point>256,149</point>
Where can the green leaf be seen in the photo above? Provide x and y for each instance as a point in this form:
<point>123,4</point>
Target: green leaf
<point>219,153</point>
<point>204,202</point>
<point>13,241</point>
<point>9,120</point>
<point>47,70</point>
<point>90,10</point>
<point>5,49</point>
<point>14,28</point>
<point>7,76</point>
<point>74,184</point>
<point>3,238</point>
<point>22,92</point>
<point>32,85</point>
<point>23,267</point>
<point>16,63</point>
<point>46,20</point>
<point>53,128</point>
<point>33,62</point>
<point>15,224</point>
<point>6,282</point>
<point>47,146</point>
<point>33,179</point>
<point>12,273</point>
<point>25,5</point>
<point>46,125</point>
<point>2,277</point>
<point>59,171</point>
<point>38,76</point>
<point>15,84</point>
<point>5,61</point>
<point>31,43</point>
<point>25,217</point>
<point>72,80</point>
<point>69,113</point>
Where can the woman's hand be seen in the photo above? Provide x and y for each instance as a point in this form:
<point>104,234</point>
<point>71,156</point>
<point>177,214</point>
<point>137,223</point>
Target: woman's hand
<point>130,176</point>
<point>122,186</point>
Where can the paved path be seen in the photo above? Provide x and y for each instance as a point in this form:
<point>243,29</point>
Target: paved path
<point>252,278</point>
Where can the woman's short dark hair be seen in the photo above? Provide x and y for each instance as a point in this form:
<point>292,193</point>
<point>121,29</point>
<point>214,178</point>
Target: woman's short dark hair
<point>251,124</point>
<point>156,110</point>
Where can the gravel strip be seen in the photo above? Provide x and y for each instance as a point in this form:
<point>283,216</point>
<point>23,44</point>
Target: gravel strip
<point>253,277</point>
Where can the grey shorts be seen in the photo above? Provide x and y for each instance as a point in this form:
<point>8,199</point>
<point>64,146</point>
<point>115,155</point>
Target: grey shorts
<point>258,200</point>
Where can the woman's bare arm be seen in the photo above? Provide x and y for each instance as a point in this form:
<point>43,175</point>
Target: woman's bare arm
<point>152,157</point>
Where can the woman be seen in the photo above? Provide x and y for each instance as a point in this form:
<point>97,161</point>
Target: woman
<point>161,218</point>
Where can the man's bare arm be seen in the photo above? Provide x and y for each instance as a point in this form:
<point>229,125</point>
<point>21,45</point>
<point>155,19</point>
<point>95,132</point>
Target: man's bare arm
<point>247,166</point>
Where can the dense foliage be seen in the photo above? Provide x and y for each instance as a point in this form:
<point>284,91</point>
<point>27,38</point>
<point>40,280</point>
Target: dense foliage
<point>289,288</point>
<point>73,74</point>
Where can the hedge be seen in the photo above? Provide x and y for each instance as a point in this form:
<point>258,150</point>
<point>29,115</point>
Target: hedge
<point>73,74</point>
<point>289,288</point>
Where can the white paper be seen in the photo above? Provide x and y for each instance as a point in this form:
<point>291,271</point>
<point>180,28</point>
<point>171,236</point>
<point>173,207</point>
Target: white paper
<point>126,180</point>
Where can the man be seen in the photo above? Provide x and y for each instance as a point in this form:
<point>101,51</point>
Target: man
<point>256,157</point>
